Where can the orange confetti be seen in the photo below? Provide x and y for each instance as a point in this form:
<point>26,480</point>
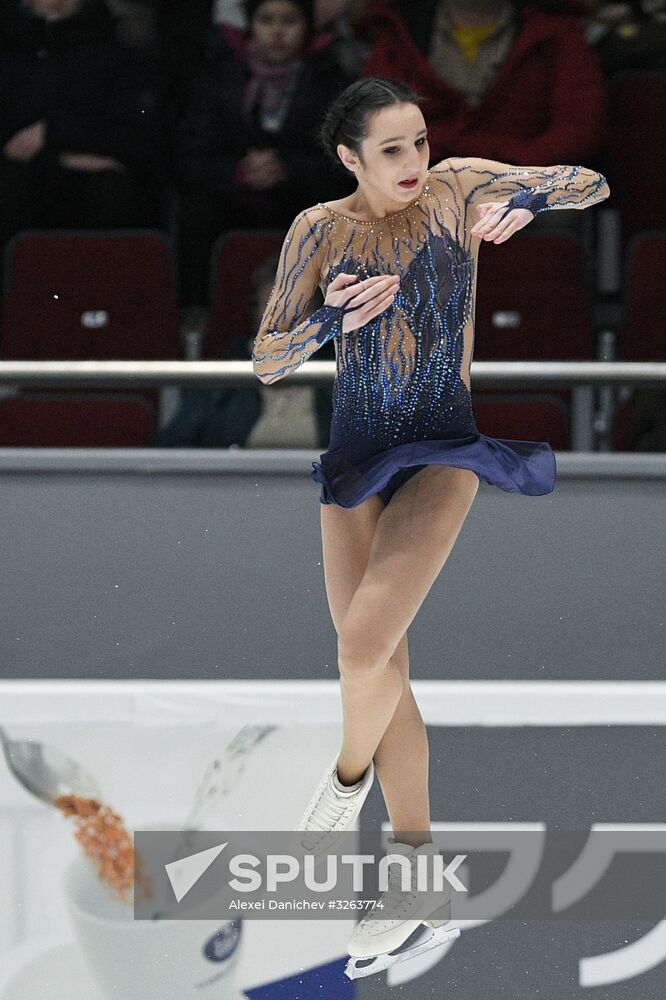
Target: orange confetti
<point>108,843</point>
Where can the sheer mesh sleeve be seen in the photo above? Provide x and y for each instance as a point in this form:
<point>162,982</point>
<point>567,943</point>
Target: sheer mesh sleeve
<point>538,189</point>
<point>287,335</point>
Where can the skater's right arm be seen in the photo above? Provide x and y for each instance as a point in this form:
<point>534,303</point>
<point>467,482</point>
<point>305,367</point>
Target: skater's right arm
<point>287,335</point>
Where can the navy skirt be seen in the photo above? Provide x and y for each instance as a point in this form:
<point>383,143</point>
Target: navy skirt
<point>350,476</point>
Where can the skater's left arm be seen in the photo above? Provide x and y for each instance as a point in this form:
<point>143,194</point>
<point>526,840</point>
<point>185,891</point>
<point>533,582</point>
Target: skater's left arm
<point>500,198</point>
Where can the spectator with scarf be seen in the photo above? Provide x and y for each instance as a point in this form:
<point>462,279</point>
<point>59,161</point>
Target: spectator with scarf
<point>247,151</point>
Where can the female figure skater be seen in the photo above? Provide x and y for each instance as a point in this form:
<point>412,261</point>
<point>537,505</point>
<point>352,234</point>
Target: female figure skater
<point>396,262</point>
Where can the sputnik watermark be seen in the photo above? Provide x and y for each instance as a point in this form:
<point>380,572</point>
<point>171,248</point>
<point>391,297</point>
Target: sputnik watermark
<point>495,870</point>
<point>252,874</point>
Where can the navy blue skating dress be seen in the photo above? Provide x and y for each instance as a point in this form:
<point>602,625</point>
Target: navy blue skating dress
<point>401,396</point>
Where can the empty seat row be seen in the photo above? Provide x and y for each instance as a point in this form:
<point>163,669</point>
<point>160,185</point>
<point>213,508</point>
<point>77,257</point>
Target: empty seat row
<point>76,295</point>
<point>51,419</point>
<point>110,295</point>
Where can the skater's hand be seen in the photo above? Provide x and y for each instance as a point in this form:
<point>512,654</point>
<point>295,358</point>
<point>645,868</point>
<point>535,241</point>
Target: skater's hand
<point>364,298</point>
<point>495,225</point>
<point>25,143</point>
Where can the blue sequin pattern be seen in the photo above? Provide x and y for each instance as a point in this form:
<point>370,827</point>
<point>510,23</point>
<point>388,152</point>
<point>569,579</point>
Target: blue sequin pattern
<point>401,396</point>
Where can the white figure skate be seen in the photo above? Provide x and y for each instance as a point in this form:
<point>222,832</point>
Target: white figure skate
<point>376,938</point>
<point>329,813</point>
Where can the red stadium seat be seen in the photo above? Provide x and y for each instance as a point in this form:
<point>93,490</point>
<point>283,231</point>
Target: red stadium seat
<point>532,304</point>
<point>635,151</point>
<point>235,257</point>
<point>83,294</point>
<point>51,420</point>
<point>643,335</point>
<point>532,301</point>
<point>534,417</point>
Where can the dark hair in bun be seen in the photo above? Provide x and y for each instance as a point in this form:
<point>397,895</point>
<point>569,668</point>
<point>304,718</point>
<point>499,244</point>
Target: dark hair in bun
<point>346,119</point>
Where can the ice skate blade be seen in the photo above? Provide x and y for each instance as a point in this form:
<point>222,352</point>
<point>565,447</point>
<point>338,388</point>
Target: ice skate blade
<point>437,937</point>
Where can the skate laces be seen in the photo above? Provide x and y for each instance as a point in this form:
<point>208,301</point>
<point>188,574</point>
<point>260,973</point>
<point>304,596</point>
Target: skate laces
<point>327,813</point>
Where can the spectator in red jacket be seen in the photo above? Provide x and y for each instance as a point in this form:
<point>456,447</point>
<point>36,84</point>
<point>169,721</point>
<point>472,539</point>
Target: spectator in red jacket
<point>503,81</point>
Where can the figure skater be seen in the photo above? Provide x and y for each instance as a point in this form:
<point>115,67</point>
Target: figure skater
<point>397,264</point>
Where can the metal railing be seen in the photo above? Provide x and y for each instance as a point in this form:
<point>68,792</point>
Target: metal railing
<point>589,380</point>
<point>483,373</point>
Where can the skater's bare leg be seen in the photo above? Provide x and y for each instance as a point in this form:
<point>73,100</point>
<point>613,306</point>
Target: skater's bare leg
<point>379,565</point>
<point>370,701</point>
<point>413,537</point>
<point>401,762</point>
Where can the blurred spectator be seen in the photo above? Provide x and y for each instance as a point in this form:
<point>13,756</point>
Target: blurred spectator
<point>184,30</point>
<point>296,416</point>
<point>510,83</point>
<point>349,46</point>
<point>626,36</point>
<point>333,30</point>
<point>234,12</point>
<point>248,152</point>
<point>137,24</point>
<point>79,121</point>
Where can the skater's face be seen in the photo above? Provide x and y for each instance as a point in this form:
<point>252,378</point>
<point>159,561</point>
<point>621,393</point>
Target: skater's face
<point>279,30</point>
<point>53,10</point>
<point>395,151</point>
